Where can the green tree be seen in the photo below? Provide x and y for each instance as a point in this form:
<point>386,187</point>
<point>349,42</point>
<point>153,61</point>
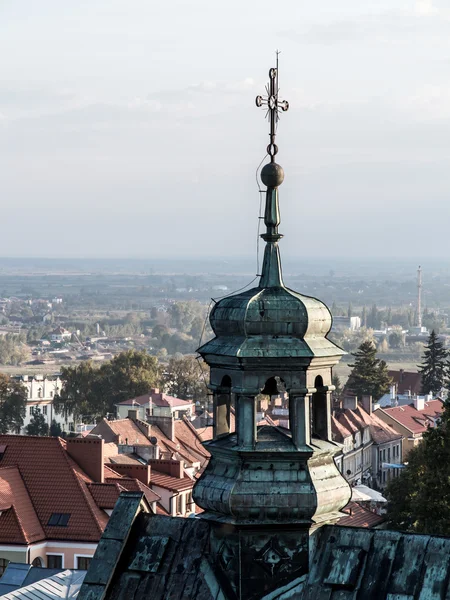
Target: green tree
<point>350,310</point>
<point>55,429</point>
<point>418,500</point>
<point>396,339</point>
<point>369,374</point>
<point>364,317</point>
<point>186,378</point>
<point>38,425</point>
<point>92,391</point>
<point>13,401</point>
<point>335,380</point>
<point>434,367</point>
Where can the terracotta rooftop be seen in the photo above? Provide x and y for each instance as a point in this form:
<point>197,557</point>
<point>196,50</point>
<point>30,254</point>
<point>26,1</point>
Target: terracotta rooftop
<point>18,519</point>
<point>39,479</point>
<point>407,381</point>
<point>56,484</point>
<point>171,483</point>
<point>134,485</point>
<point>417,421</point>
<point>186,444</point>
<point>359,516</point>
<point>379,430</point>
<point>157,398</point>
<point>126,430</point>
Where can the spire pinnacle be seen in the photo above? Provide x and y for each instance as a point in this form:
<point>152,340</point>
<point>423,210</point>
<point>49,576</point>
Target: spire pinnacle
<point>274,107</point>
<point>272,176</point>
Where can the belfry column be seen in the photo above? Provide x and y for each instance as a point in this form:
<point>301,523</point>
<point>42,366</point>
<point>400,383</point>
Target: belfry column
<point>246,420</point>
<point>221,412</point>
<point>300,418</point>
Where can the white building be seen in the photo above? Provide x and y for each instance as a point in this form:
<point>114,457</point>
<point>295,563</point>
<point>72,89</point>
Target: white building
<point>156,404</point>
<point>60,335</point>
<point>41,390</point>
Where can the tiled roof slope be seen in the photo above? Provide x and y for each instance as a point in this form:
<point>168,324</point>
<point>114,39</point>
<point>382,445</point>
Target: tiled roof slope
<point>171,483</point>
<point>19,523</point>
<point>359,516</point>
<point>158,399</point>
<point>379,430</point>
<point>121,431</point>
<point>407,381</point>
<point>134,485</point>
<point>415,420</point>
<point>56,484</point>
<point>187,441</point>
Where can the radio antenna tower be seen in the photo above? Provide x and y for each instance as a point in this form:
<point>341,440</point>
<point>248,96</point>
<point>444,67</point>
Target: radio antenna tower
<point>419,296</point>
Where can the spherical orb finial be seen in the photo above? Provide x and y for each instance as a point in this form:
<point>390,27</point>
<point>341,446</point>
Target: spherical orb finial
<point>272,175</point>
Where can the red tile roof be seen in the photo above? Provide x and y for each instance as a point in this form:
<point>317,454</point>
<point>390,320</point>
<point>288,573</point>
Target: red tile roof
<point>19,523</point>
<point>157,399</point>
<point>126,429</point>
<point>417,421</point>
<point>56,484</point>
<point>105,494</point>
<point>345,422</point>
<point>379,430</point>
<point>134,485</point>
<point>171,483</point>
<point>407,381</point>
<point>359,516</point>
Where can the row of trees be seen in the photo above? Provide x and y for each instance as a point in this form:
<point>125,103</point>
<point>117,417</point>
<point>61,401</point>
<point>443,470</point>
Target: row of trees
<point>370,375</point>
<point>92,391</point>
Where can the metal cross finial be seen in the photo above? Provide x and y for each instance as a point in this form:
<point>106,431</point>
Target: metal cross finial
<point>274,107</point>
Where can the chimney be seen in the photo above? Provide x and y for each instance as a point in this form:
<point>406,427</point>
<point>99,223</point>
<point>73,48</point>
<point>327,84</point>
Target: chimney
<point>166,424</point>
<point>419,402</point>
<point>402,375</point>
<point>393,392</point>
<point>350,402</point>
<point>88,453</point>
<point>147,452</point>
<point>154,391</point>
<point>171,467</point>
<point>367,403</point>
<point>139,472</point>
<point>132,414</point>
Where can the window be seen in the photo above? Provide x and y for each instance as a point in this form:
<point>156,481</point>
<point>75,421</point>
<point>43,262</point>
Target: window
<point>44,410</point>
<point>54,561</point>
<point>384,455</point>
<point>389,454</point>
<point>59,520</point>
<point>381,456</point>
<point>3,564</point>
<point>83,562</point>
<point>37,562</point>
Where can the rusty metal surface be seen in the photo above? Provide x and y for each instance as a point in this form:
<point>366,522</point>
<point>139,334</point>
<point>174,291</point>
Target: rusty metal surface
<point>185,559</point>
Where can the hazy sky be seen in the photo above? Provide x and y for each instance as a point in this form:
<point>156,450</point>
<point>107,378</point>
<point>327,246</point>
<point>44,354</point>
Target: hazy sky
<point>128,127</point>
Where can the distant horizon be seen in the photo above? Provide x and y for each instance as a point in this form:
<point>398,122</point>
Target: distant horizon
<point>131,127</point>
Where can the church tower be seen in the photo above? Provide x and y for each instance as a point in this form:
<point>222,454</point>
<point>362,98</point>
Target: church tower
<point>266,488</point>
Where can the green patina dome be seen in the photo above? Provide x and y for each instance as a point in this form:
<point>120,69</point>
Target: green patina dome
<point>272,321</point>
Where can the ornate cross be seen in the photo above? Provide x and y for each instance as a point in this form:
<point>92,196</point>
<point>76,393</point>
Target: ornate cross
<point>274,107</point>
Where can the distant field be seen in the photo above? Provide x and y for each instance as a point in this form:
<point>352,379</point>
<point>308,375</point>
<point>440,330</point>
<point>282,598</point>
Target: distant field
<point>343,370</point>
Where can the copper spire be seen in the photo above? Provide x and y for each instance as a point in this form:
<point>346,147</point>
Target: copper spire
<point>272,176</point>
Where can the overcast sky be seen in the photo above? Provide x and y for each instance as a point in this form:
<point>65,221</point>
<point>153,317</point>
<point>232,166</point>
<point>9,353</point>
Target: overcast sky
<point>128,127</point>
